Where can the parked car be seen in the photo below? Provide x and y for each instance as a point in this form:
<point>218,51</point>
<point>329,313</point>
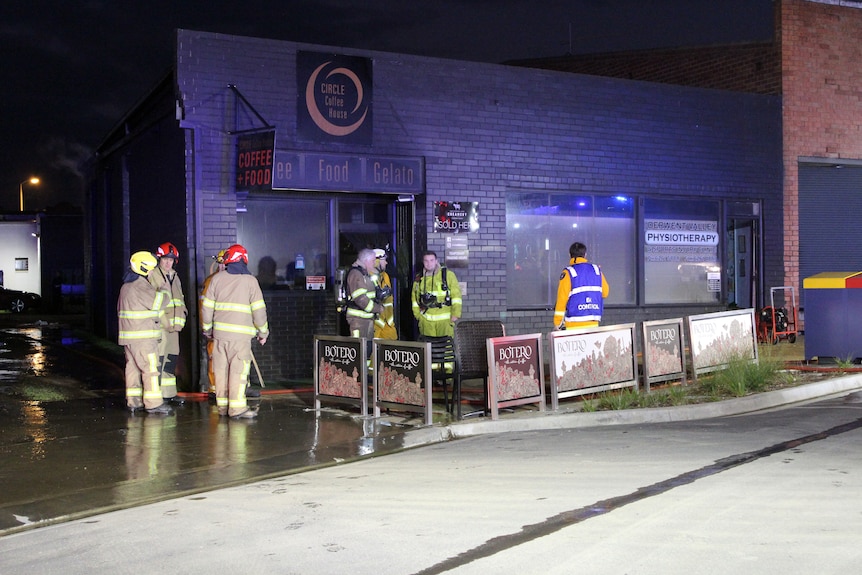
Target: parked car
<point>17,301</point>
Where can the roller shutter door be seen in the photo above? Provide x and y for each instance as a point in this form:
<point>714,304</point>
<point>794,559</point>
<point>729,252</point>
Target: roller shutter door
<point>830,219</point>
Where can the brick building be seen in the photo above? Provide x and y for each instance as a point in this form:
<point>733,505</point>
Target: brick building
<point>814,65</point>
<point>307,153</point>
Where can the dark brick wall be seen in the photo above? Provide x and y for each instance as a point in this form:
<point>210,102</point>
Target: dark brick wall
<point>754,68</point>
<point>295,316</point>
<point>485,131</point>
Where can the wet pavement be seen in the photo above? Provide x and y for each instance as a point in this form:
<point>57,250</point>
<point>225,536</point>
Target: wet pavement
<point>70,449</point>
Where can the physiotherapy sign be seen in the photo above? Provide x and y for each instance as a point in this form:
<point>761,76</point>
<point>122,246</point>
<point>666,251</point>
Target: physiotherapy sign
<point>335,97</point>
<point>681,232</point>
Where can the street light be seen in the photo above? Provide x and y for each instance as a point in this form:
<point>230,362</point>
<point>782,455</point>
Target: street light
<point>32,181</point>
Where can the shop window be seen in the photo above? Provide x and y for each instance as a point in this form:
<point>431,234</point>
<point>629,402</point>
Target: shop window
<point>540,228</point>
<point>364,213</point>
<point>287,239</point>
<point>681,240</point>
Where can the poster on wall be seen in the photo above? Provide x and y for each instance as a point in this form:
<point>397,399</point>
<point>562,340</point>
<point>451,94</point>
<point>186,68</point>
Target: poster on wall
<point>592,360</point>
<point>254,161</point>
<point>340,370</point>
<point>402,377</point>
<point>457,251</point>
<point>517,374</point>
<point>681,260</point>
<point>718,338</point>
<point>664,351</point>
<point>335,94</point>
<point>456,217</point>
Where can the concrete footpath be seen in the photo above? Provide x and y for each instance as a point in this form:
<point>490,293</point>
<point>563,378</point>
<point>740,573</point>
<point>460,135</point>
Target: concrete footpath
<point>677,490</point>
<point>765,483</point>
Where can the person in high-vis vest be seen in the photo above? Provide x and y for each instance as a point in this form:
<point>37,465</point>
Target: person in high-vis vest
<point>362,306</point>
<point>165,278</point>
<point>232,313</point>
<point>139,313</point>
<point>436,298</point>
<point>216,266</point>
<point>580,293</point>
<point>384,325</point>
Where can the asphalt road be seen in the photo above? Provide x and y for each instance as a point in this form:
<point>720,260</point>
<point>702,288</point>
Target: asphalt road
<point>778,491</point>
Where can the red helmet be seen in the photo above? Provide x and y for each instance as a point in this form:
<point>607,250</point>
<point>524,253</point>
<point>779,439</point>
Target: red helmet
<point>168,250</point>
<point>235,253</point>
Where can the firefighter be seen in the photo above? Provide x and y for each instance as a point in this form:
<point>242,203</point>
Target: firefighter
<point>436,300</point>
<point>362,307</point>
<point>232,312</point>
<point>216,266</point>
<point>139,311</point>
<point>581,292</point>
<point>384,324</point>
<point>165,278</point>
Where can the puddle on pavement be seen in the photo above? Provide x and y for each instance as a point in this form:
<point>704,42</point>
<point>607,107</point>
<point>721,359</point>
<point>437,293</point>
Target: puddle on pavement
<point>71,449</point>
<point>72,458</point>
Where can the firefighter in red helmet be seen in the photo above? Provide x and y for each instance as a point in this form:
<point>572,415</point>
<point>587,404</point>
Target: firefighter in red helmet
<point>232,312</point>
<point>216,266</point>
<point>165,278</point>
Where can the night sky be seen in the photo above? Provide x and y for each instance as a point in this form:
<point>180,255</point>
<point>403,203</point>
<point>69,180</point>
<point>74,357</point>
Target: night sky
<point>72,69</point>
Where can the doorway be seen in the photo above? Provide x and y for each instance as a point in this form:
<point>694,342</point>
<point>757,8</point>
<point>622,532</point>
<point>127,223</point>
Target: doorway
<point>379,222</point>
<point>742,263</point>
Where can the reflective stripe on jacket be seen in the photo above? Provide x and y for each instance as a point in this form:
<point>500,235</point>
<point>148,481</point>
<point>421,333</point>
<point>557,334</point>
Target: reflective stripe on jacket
<point>585,295</point>
<point>139,311</point>
<point>436,321</point>
<point>384,325</point>
<point>362,293</point>
<point>232,307</point>
<point>176,311</point>
<point>589,280</point>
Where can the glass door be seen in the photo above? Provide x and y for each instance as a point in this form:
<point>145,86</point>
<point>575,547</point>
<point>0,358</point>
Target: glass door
<point>742,265</point>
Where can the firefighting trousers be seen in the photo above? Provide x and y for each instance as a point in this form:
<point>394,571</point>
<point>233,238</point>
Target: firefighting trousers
<point>361,327</point>
<point>231,366</point>
<point>142,374</point>
<point>169,349</point>
<point>210,374</point>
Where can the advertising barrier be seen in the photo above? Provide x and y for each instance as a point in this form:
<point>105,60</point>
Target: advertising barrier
<point>402,377</point>
<point>591,360</point>
<point>340,371</point>
<point>516,374</point>
<point>664,351</point>
<point>718,338</point>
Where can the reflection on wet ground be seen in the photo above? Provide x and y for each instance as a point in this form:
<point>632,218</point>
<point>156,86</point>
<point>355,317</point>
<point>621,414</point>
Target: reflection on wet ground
<point>68,447</point>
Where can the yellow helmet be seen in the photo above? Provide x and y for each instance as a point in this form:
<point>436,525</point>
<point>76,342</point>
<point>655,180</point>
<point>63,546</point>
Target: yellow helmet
<point>142,263</point>
<point>220,257</point>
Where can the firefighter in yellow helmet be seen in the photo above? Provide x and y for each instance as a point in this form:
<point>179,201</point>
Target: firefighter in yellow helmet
<point>384,324</point>
<point>139,312</point>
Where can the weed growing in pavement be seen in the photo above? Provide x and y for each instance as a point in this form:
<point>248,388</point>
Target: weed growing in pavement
<point>625,399</point>
<point>845,363</point>
<point>740,377</point>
